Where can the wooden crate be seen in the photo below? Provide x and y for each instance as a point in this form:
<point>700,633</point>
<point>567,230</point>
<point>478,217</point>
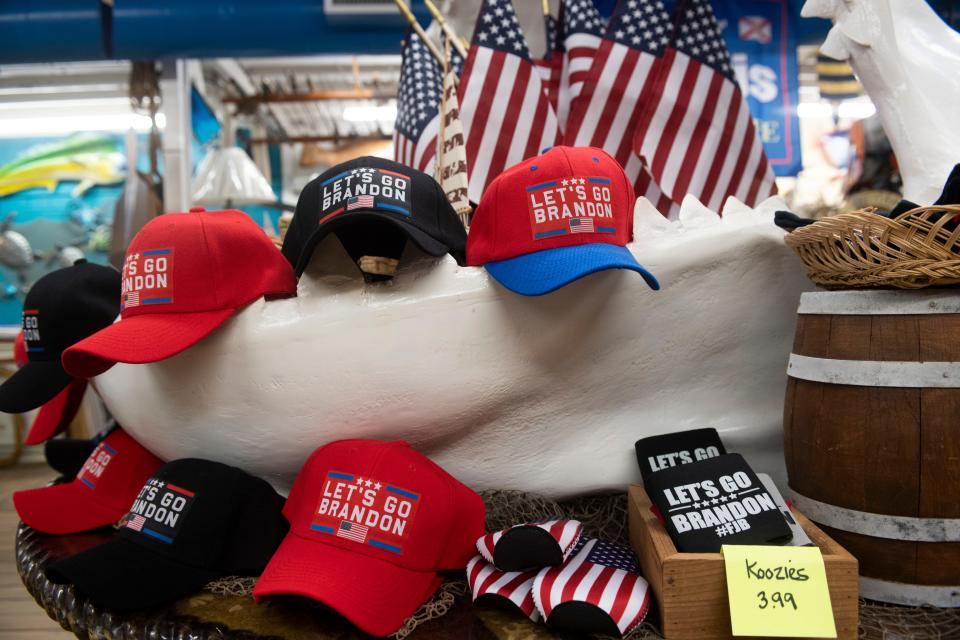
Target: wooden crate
<point>691,588</point>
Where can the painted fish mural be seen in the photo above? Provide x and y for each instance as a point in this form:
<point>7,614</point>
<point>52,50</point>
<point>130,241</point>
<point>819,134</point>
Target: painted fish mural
<point>88,159</point>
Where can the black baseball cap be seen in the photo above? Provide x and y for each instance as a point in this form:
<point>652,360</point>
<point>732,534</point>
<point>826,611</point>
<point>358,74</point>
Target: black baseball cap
<point>67,455</point>
<point>62,308</point>
<point>194,521</point>
<point>374,205</point>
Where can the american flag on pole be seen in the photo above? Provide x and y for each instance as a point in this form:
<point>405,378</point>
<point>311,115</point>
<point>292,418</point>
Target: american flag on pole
<point>415,131</point>
<point>609,106</point>
<point>551,64</point>
<point>697,135</point>
<point>600,573</point>
<point>487,582</point>
<point>136,522</point>
<point>451,170</point>
<point>507,117</point>
<point>352,531</point>
<point>582,34</point>
<point>565,533</point>
<point>360,202</point>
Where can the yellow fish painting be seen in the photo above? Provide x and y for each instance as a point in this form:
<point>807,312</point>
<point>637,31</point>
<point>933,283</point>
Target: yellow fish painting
<point>87,159</point>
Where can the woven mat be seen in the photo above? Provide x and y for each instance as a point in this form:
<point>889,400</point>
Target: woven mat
<point>605,516</point>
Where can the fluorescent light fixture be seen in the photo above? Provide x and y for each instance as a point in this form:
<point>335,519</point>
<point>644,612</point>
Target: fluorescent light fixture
<point>21,127</point>
<point>857,110</point>
<point>371,113</point>
<point>848,110</point>
<point>814,110</point>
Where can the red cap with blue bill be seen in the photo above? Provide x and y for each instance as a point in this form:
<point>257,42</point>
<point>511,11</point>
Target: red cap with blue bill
<point>553,219</point>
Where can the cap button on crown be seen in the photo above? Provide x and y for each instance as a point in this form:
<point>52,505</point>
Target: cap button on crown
<point>197,209</point>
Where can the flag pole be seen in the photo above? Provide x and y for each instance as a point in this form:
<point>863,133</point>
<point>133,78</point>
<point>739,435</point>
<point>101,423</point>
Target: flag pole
<point>447,29</point>
<point>405,10</point>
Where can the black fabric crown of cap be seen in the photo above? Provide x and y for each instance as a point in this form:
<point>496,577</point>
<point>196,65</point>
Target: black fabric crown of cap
<point>193,521</point>
<point>62,308</point>
<point>374,205</point>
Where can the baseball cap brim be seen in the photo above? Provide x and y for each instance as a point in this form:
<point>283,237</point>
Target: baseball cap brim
<point>123,576</point>
<point>141,339</point>
<point>425,241</point>
<point>540,272</point>
<point>63,508</point>
<point>373,594</point>
<point>57,414</point>
<point>32,385</point>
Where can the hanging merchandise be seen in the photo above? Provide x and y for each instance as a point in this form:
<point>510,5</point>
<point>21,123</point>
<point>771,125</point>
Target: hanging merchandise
<point>530,546</point>
<point>570,597</point>
<point>193,521</point>
<point>373,206</point>
<point>680,447</point>
<point>62,308</point>
<point>715,502</point>
<point>102,492</point>
<point>371,525</point>
<point>184,275</point>
<point>228,176</point>
<point>553,219</point>
<point>510,589</point>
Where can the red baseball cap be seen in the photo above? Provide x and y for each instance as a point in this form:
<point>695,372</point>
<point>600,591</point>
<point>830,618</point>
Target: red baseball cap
<point>183,276</point>
<point>56,415</point>
<point>553,219</point>
<point>371,524</point>
<point>100,495</point>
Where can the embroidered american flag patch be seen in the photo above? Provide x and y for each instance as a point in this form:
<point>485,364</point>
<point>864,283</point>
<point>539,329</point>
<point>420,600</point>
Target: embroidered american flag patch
<point>352,531</point>
<point>136,523</point>
<point>360,202</point>
<point>132,299</point>
<point>581,225</point>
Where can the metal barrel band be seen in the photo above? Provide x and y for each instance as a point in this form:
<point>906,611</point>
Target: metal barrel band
<point>875,373</point>
<point>878,525</point>
<point>878,303</point>
<point>911,595</point>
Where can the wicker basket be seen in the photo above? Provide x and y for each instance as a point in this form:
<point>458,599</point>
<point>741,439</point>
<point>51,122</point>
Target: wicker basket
<point>863,249</point>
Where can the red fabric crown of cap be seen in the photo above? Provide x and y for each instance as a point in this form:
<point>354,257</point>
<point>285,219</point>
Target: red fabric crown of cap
<point>184,275</point>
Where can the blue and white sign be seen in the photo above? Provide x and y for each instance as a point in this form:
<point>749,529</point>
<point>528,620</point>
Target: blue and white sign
<point>763,49</point>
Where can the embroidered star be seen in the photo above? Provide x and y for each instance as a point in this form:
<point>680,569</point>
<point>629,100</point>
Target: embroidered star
<point>359,480</point>
<point>367,482</point>
<point>377,486</point>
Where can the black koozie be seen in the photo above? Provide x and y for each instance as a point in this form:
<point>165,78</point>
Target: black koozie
<point>656,453</point>
<point>61,309</point>
<point>193,521</point>
<point>716,502</point>
<point>374,205</point>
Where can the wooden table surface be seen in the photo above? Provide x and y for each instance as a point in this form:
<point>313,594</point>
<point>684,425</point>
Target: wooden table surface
<point>20,617</point>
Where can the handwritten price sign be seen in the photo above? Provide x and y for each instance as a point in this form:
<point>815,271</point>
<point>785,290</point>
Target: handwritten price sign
<point>778,591</point>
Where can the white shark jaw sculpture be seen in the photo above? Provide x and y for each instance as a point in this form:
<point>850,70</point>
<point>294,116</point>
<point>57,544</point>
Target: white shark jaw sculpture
<point>908,61</point>
<point>542,394</point>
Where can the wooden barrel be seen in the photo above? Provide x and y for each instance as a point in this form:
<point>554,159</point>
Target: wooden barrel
<point>872,435</point>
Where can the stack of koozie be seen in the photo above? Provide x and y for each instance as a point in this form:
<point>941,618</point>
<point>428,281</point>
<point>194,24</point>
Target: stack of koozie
<point>550,571</point>
<point>707,497</point>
